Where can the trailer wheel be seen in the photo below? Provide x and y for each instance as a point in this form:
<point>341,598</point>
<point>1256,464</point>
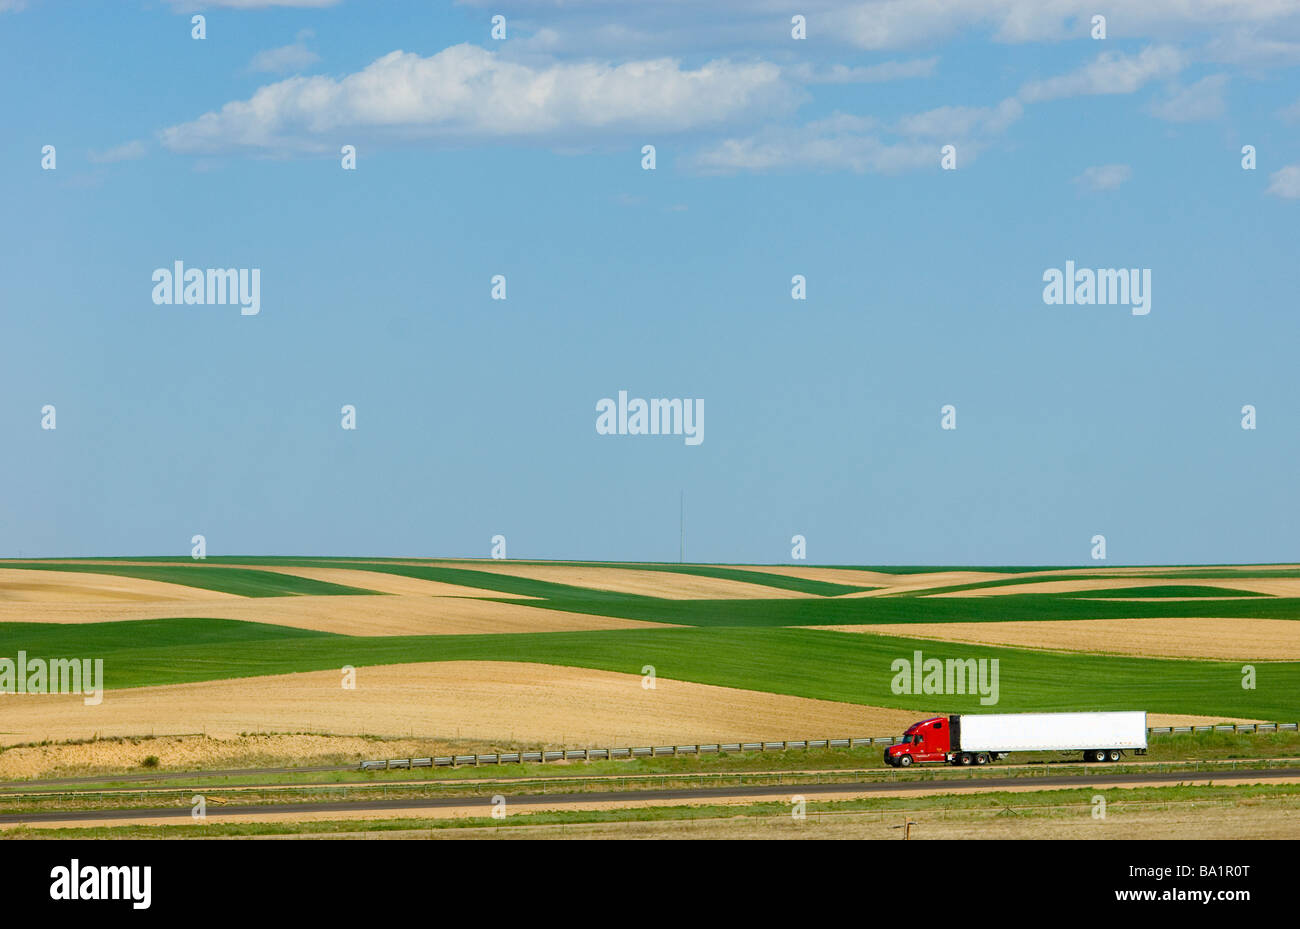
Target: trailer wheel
<point>982,758</point>
<point>1096,755</point>
<point>1114,754</point>
<point>966,758</point>
<point>904,761</point>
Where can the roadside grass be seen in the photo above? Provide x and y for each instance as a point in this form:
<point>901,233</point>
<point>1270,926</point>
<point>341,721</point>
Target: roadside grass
<point>263,795</point>
<point>1217,746</point>
<point>1169,749</point>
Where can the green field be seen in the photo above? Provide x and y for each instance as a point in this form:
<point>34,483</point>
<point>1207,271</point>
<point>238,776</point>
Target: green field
<point>807,663</point>
<point>746,643</point>
<point>243,582</point>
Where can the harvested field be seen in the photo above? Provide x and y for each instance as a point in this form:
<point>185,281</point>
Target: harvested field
<point>1091,579</point>
<point>376,615</point>
<point>18,585</point>
<point>197,752</point>
<point>1227,639</point>
<point>508,702</point>
<point>385,583</point>
<point>643,583</point>
<point>893,583</point>
<point>1278,587</point>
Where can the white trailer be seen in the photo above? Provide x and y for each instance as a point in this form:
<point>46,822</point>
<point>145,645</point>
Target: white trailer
<point>1100,736</point>
<point>982,737</point>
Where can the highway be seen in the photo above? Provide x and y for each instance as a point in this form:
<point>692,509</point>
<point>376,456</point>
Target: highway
<point>668,796</point>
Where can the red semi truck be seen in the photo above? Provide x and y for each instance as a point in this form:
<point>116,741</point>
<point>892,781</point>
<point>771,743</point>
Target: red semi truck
<point>983,737</point>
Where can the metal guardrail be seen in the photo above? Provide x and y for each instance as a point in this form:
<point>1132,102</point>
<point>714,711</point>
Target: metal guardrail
<point>1243,727</point>
<point>611,754</point>
<point>544,755</point>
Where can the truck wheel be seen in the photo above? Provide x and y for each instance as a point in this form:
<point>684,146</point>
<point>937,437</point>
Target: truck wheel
<point>982,758</point>
<point>1097,755</point>
<point>966,758</point>
<point>1114,754</point>
<point>904,761</point>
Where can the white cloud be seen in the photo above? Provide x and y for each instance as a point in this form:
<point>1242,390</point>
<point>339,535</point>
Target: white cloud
<point>892,23</point>
<point>1108,73</point>
<point>467,92</point>
<point>286,58</point>
<point>1259,33</point>
<point>618,25</point>
<point>128,151</point>
<point>1104,177</point>
<point>1285,183</point>
<point>1202,100</point>
<point>959,122</point>
<point>807,148</point>
<point>1245,46</point>
<point>867,74</point>
<point>862,144</point>
<point>897,23</point>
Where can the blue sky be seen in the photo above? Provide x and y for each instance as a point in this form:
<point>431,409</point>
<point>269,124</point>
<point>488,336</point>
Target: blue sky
<point>775,157</point>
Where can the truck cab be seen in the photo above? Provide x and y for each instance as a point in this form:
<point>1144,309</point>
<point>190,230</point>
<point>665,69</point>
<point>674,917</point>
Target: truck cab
<point>926,741</point>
